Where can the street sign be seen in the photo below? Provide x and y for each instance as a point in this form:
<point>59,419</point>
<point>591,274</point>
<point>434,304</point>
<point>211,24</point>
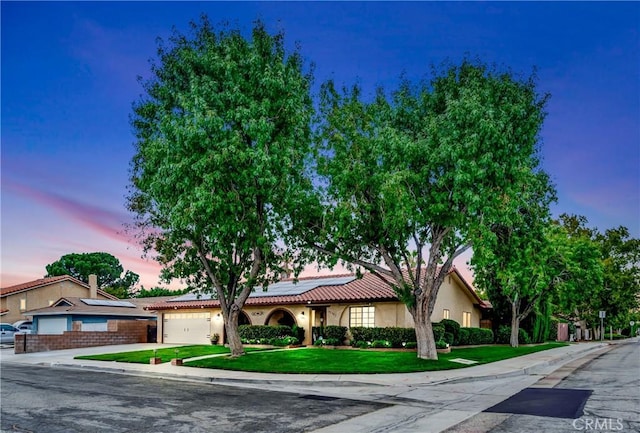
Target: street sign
<point>602,314</point>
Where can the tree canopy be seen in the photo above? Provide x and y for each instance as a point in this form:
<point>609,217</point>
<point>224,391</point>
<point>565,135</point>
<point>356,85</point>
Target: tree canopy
<point>429,169</point>
<point>617,292</point>
<point>222,134</point>
<point>519,260</point>
<point>159,291</point>
<point>111,275</point>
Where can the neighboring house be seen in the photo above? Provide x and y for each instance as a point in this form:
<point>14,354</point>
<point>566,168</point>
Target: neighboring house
<point>16,300</point>
<point>85,314</point>
<point>312,302</point>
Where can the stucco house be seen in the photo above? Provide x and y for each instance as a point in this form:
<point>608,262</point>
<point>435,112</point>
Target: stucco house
<point>82,314</point>
<point>16,300</point>
<point>311,302</point>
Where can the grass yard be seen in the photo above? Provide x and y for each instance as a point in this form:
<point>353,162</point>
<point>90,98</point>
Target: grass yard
<point>326,361</point>
<point>167,354</point>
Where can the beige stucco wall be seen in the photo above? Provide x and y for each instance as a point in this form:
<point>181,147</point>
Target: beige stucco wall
<point>457,300</point>
<point>255,315</point>
<point>40,297</point>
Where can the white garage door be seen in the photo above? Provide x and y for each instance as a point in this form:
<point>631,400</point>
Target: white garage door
<point>52,325</point>
<point>187,328</point>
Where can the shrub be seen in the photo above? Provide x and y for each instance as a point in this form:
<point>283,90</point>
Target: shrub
<point>438,331</point>
<point>481,336</point>
<point>362,344</point>
<point>448,338</point>
<point>396,336</point>
<point>607,336</point>
<point>504,334</point>
<point>441,344</point>
<point>474,336</point>
<point>411,345</point>
<point>452,327</point>
<point>523,336</point>
<point>297,332</point>
<point>381,344</point>
<point>264,332</point>
<point>335,333</point>
<point>464,337</point>
<point>284,341</point>
<point>327,342</point>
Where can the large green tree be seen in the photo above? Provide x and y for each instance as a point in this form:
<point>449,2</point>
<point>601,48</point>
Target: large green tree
<point>576,299</point>
<point>222,132</point>
<point>427,170</point>
<point>519,259</point>
<point>111,275</point>
<point>620,296</point>
<point>618,293</point>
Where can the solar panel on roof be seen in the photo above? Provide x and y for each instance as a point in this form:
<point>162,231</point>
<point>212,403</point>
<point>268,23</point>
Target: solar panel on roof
<point>108,303</point>
<point>282,288</point>
<point>291,288</point>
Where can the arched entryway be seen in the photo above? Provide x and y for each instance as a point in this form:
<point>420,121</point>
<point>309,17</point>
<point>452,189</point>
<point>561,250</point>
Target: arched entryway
<point>243,319</point>
<point>280,316</point>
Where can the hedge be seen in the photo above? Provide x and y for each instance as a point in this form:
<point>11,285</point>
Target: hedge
<point>438,331</point>
<point>452,327</point>
<point>473,336</point>
<point>395,336</point>
<point>264,332</point>
<point>328,342</point>
<point>448,338</point>
<point>464,337</point>
<point>504,335</point>
<point>333,332</point>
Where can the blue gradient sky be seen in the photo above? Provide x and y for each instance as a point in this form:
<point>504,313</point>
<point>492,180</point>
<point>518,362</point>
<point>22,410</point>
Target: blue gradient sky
<point>69,77</point>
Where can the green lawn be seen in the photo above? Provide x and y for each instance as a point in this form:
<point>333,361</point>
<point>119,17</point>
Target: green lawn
<point>167,354</point>
<point>327,361</point>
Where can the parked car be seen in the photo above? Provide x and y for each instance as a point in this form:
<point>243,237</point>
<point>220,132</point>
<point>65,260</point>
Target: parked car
<point>7,333</point>
<point>24,326</point>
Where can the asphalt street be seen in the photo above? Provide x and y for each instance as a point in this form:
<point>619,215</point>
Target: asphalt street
<point>57,400</point>
<point>614,404</point>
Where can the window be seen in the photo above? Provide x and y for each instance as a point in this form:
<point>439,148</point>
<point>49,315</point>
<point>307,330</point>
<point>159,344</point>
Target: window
<point>362,316</point>
<point>466,319</point>
<point>23,304</point>
<point>446,314</point>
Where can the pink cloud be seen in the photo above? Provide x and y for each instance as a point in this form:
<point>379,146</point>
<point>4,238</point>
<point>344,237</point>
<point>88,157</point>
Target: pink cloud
<point>108,222</point>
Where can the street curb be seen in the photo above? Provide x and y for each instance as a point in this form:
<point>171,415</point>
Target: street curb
<point>532,369</point>
<point>238,381</point>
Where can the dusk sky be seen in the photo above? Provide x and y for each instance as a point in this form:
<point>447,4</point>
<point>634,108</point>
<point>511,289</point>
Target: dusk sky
<point>69,78</point>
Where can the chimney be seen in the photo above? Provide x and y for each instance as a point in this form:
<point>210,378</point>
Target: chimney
<point>93,286</point>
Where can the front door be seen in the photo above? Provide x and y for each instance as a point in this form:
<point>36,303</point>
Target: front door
<point>319,317</point>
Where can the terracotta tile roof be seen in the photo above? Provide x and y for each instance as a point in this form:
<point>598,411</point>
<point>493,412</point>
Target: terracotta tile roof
<point>79,307</point>
<point>369,288</point>
<point>30,285</point>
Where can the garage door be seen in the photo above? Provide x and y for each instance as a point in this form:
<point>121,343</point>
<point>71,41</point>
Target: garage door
<point>52,325</point>
<point>187,328</point>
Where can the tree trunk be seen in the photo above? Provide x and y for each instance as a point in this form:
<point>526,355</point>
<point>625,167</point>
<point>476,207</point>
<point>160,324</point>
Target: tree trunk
<point>515,325</point>
<point>426,344</point>
<point>233,336</point>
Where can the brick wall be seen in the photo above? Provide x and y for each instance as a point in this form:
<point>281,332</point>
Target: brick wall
<point>118,332</point>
